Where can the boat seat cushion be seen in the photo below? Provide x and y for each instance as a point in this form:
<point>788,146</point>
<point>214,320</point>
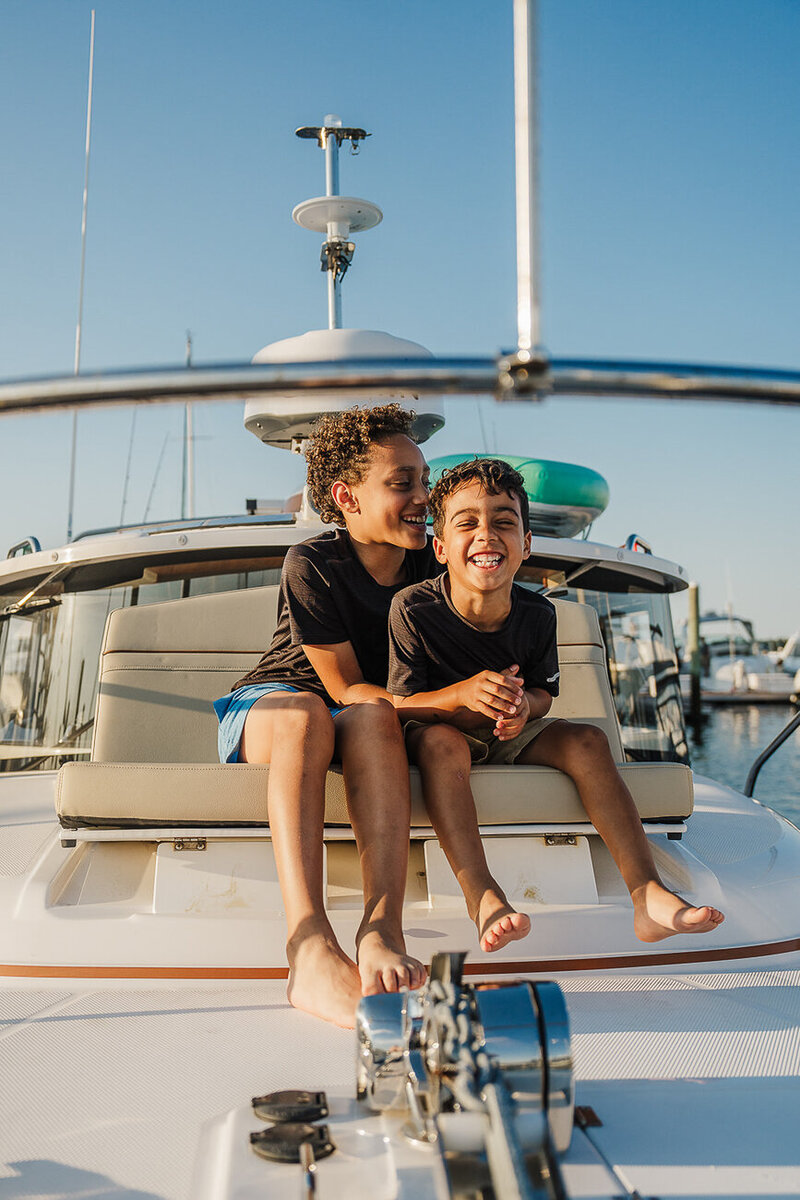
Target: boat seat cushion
<point>154,750</point>
<point>162,665</point>
<point>147,795</point>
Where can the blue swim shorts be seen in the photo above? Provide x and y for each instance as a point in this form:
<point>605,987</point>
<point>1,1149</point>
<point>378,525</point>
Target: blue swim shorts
<point>232,713</point>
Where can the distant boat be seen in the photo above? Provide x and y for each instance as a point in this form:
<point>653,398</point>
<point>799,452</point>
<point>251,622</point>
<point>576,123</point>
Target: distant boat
<point>735,669</point>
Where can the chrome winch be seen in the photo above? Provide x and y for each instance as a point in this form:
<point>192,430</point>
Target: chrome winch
<point>484,1072</point>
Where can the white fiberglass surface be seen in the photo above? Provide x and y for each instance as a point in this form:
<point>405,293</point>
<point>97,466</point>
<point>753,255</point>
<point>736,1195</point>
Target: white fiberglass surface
<point>106,1091</point>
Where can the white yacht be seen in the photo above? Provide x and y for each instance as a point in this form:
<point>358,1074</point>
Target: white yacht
<point>148,1050</point>
<point>735,670</point>
<point>787,658</point>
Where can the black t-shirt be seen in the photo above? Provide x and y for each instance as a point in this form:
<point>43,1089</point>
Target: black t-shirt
<point>327,596</point>
<point>431,646</point>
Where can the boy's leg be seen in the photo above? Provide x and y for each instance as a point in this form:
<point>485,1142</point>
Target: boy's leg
<point>293,732</point>
<point>582,752</point>
<point>442,755</point>
<point>369,742</point>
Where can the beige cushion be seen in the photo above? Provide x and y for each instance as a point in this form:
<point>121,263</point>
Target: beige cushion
<point>174,794</point>
<point>226,622</point>
<point>154,751</point>
<point>162,665</point>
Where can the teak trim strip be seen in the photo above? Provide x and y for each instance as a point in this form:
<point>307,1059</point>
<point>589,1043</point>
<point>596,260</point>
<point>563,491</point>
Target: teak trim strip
<point>532,966</point>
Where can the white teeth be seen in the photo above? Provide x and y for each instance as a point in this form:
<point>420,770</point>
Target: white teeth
<point>487,560</point>
<point>414,520</point>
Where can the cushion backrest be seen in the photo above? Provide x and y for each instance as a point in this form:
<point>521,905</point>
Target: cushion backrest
<point>163,664</point>
<point>585,692</point>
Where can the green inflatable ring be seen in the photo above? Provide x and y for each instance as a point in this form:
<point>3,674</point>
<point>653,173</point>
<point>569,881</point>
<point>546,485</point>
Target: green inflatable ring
<point>564,497</point>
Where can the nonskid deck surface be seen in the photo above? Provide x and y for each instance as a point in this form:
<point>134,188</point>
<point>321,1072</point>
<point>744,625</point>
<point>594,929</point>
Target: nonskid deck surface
<point>696,1078</point>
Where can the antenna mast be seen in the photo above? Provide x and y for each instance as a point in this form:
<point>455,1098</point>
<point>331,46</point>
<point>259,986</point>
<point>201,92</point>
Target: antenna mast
<point>79,325</point>
<point>526,176</point>
<point>332,214</point>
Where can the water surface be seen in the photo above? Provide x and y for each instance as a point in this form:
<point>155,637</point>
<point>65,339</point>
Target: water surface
<point>733,738</point>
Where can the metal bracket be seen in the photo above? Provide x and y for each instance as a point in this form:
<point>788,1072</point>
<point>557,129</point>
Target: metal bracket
<point>336,255</point>
<point>188,844</point>
<point>523,375</point>
<point>560,839</point>
<point>342,133</point>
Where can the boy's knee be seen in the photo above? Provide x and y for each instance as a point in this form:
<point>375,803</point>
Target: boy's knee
<point>586,743</point>
<point>304,712</point>
<point>443,745</point>
<point>373,717</point>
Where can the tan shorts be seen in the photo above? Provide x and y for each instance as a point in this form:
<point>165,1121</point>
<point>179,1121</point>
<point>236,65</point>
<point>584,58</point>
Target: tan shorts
<point>486,749</point>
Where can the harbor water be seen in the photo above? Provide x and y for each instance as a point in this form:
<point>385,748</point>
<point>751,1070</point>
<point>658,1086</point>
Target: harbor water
<point>732,739</point>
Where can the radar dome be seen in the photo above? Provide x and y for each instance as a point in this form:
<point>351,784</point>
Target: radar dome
<point>281,417</point>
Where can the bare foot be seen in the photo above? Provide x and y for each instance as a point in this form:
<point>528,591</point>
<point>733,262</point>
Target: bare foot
<point>323,981</point>
<point>659,913</point>
<point>498,923</point>
<point>383,963</point>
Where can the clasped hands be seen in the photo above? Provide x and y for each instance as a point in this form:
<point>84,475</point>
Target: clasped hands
<point>500,696</point>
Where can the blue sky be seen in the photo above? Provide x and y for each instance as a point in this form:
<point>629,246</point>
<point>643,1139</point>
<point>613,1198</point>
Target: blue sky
<point>669,184</point>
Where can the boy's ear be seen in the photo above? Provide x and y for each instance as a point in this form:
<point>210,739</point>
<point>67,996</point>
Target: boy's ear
<point>439,550</point>
<point>526,545</point>
<point>343,497</point>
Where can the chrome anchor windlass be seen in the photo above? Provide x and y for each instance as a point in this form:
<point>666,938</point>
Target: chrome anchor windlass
<point>484,1072</point>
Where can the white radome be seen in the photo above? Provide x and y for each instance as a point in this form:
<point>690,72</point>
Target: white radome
<point>278,419</point>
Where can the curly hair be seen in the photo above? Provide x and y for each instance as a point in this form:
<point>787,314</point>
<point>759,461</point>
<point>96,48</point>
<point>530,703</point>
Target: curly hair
<point>339,448</point>
<point>493,474</point>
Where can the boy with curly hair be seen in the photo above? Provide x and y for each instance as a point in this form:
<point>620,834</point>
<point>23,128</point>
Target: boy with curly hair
<point>474,663</point>
<point>318,693</point>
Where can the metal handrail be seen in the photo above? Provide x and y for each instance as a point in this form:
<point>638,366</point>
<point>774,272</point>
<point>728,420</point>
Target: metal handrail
<point>507,378</point>
<point>774,745</point>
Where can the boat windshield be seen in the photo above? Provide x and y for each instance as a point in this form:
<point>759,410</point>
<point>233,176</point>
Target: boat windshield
<point>49,655</point>
<point>643,668</point>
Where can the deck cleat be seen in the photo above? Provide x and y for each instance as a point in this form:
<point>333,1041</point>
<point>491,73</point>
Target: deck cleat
<point>284,1142</point>
<point>292,1105</point>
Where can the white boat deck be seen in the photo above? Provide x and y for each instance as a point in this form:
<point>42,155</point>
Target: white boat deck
<point>136,1090</point>
<point>106,1091</point>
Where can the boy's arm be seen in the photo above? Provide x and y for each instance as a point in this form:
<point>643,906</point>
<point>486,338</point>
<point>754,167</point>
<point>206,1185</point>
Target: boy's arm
<point>337,667</point>
<point>316,625</point>
<point>489,694</point>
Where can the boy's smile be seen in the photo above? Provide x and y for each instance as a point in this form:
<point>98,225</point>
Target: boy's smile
<point>483,543</point>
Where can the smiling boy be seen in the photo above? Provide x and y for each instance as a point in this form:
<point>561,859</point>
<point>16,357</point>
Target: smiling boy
<point>318,693</point>
<point>473,664</point>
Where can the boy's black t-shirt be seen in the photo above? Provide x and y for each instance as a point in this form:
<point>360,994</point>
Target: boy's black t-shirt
<point>431,646</point>
<point>327,596</point>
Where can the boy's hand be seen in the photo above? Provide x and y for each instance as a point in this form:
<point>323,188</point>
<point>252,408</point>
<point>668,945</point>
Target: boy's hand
<point>507,728</point>
<point>494,694</point>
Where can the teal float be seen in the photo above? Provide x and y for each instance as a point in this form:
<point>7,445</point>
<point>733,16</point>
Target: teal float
<point>564,498</point>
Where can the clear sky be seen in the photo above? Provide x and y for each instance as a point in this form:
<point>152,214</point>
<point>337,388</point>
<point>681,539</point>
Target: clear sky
<point>670,177</point>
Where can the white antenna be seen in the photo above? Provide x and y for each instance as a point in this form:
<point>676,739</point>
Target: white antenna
<point>526,175</point>
<point>334,215</point>
<point>79,325</point>
<point>187,480</point>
